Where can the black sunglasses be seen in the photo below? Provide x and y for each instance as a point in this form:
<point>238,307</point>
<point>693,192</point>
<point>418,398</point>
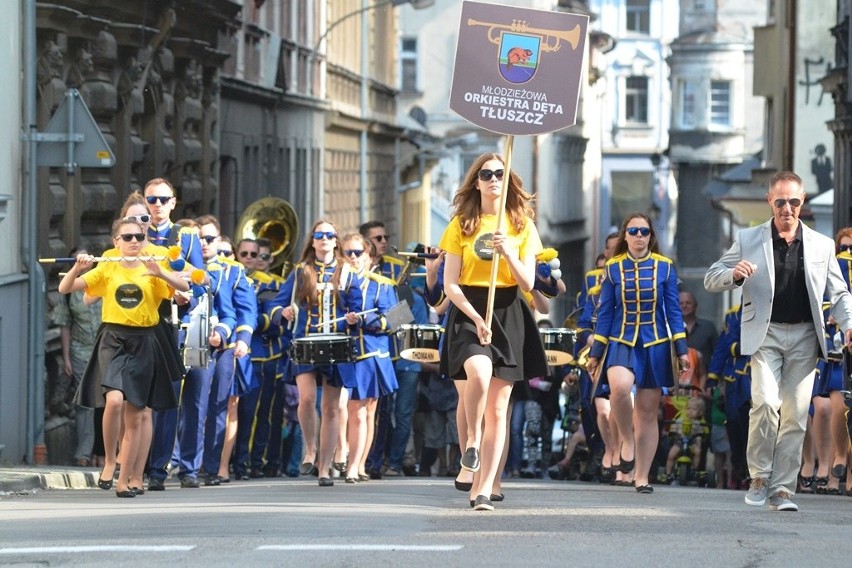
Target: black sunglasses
<point>225,252</point>
<point>380,238</point>
<point>130,236</point>
<point>845,248</point>
<point>485,175</point>
<point>209,239</point>
<point>245,253</point>
<point>264,256</point>
<point>794,202</point>
<point>327,234</point>
<point>138,218</point>
<point>354,252</point>
<point>163,199</point>
<point>633,231</point>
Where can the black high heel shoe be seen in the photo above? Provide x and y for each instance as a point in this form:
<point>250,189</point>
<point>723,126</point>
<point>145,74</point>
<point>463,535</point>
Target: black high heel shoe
<point>105,484</point>
<point>806,484</point>
<point>127,493</point>
<point>627,466</point>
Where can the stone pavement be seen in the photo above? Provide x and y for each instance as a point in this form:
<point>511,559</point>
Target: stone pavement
<point>27,478</point>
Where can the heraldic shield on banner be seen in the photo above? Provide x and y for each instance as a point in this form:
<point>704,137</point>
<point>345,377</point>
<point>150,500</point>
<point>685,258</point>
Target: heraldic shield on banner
<point>518,56</point>
<point>534,86</point>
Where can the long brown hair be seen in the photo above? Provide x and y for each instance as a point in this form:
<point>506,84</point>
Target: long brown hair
<point>467,203</point>
<point>621,247</point>
<point>307,282</point>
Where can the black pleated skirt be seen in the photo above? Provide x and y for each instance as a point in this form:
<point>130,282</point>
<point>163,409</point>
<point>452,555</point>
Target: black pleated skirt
<point>515,349</point>
<point>134,361</point>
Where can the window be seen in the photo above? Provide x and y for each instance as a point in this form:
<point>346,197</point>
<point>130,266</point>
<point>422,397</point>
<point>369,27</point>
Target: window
<point>638,16</point>
<point>687,104</point>
<point>408,65</point>
<point>720,103</point>
<point>636,100</point>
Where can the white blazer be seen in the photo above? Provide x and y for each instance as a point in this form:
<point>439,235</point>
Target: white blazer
<point>822,279</point>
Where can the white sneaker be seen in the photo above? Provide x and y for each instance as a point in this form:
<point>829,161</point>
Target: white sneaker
<point>781,502</point>
<point>756,495</point>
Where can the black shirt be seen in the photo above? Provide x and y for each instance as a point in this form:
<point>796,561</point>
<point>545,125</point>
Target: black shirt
<point>790,303</point>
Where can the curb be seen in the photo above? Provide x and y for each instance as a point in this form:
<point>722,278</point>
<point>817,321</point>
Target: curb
<point>22,480</point>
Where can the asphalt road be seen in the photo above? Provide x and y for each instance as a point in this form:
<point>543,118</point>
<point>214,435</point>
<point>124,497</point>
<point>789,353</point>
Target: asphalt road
<point>418,522</point>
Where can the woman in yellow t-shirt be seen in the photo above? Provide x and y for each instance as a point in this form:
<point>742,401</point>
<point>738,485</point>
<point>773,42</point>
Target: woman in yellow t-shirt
<point>128,362</point>
<point>489,360</point>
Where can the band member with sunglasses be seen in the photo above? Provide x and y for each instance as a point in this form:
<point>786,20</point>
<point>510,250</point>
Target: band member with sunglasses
<point>829,428</point>
<point>391,436</point>
<point>158,428</point>
<point>321,295</point>
<point>161,200</point>
<point>489,360</point>
<point>257,431</point>
<point>785,271</point>
<point>374,372</point>
<point>638,318</point>
<point>129,364</point>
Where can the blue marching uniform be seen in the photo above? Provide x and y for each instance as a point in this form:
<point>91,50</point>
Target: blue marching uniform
<point>374,373</point>
<point>269,344</point>
<point>233,377</point>
<point>585,328</point>
<point>638,316</point>
<point>732,368</point>
<point>591,279</point>
<point>189,449</point>
<point>311,320</point>
<point>188,240</point>
<point>830,373</point>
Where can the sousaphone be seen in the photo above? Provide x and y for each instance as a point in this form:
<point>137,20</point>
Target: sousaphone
<point>273,219</point>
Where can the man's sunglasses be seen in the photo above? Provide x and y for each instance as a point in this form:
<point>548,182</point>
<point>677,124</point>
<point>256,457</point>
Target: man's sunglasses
<point>209,239</point>
<point>130,236</point>
<point>245,253</point>
<point>633,231</point>
<point>138,218</point>
<point>485,175</point>
<point>327,234</point>
<point>794,202</point>
<point>380,238</point>
<point>225,252</point>
<point>264,256</point>
<point>163,199</point>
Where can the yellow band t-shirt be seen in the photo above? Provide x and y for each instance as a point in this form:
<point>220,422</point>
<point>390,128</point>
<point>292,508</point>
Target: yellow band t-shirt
<point>476,252</point>
<point>130,296</point>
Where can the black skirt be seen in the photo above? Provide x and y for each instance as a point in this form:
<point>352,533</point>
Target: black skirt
<point>515,349</point>
<point>133,361</point>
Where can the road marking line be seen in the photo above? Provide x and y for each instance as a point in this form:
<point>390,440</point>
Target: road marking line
<point>105,548</point>
<point>364,547</point>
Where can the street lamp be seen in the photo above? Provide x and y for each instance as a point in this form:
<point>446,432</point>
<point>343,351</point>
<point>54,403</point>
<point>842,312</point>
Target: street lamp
<point>417,4</point>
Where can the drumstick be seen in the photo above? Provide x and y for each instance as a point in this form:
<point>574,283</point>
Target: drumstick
<point>419,254</point>
<point>335,320</point>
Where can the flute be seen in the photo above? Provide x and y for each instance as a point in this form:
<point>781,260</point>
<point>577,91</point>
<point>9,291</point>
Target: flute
<point>143,258</point>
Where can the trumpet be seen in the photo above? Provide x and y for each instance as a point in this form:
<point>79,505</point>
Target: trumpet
<point>551,39</point>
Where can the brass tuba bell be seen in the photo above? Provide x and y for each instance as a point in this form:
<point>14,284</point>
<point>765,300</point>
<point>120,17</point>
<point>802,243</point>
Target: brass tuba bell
<point>273,219</point>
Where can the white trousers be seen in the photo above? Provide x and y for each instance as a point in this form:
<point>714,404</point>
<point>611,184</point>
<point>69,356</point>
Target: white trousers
<point>782,380</point>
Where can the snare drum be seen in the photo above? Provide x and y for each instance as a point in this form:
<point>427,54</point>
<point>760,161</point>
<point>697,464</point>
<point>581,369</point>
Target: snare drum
<point>420,342</point>
<point>558,344</point>
<point>322,349</point>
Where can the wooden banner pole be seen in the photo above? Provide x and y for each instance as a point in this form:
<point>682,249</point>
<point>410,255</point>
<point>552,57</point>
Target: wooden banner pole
<point>501,211</point>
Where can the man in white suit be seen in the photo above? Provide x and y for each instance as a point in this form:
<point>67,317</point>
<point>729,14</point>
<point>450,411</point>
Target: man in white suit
<point>784,270</point>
